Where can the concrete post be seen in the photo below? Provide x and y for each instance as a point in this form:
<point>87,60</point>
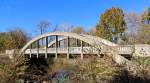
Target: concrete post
<point>76,42</point>
<point>38,48</point>
<point>46,41</point>
<point>81,49</point>
<point>30,51</point>
<point>56,46</point>
<point>68,47</point>
<point>59,44</point>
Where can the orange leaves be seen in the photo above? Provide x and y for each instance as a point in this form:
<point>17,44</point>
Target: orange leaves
<point>111,23</point>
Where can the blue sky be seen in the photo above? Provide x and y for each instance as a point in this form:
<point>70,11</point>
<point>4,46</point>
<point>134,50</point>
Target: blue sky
<point>27,13</point>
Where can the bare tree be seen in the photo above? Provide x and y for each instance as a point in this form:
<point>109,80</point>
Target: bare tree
<point>78,30</point>
<point>92,31</point>
<point>65,27</point>
<point>138,31</point>
<point>43,26</point>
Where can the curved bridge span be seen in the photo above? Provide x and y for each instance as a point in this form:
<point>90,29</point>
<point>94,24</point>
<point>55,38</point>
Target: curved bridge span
<point>70,43</point>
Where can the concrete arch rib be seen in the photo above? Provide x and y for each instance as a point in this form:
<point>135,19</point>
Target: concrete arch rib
<point>100,40</point>
<point>86,38</point>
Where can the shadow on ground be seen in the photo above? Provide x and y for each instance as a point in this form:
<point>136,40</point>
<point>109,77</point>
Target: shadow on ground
<point>126,77</point>
<point>37,70</point>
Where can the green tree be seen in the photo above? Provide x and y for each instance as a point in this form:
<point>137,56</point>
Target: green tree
<point>111,25</point>
<point>146,16</point>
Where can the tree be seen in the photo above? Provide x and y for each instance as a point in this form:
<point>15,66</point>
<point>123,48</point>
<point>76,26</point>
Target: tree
<point>78,30</point>
<point>2,38</point>
<point>91,32</point>
<point>42,26</point>
<point>138,29</point>
<point>111,25</point>
<point>146,16</point>
<point>133,23</point>
<point>65,27</point>
<point>15,39</point>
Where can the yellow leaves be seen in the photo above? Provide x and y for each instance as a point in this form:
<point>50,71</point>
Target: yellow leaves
<point>14,39</point>
<point>8,43</point>
<point>111,23</point>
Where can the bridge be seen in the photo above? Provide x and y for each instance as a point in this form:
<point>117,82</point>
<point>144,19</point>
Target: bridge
<point>67,43</point>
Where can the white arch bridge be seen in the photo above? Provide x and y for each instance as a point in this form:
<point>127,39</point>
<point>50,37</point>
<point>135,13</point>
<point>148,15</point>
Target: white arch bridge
<point>67,43</point>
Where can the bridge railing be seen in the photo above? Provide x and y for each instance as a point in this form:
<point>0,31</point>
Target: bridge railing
<point>125,49</point>
<point>72,50</point>
<point>77,50</point>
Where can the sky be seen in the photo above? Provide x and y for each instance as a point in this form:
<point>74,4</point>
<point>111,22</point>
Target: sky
<point>27,13</point>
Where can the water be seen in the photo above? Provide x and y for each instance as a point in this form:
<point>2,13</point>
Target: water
<point>62,76</point>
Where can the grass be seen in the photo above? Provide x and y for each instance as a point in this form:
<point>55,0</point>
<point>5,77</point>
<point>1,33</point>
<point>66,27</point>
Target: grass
<point>89,70</point>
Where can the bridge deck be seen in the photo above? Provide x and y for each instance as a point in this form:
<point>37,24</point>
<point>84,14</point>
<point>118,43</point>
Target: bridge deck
<point>75,50</point>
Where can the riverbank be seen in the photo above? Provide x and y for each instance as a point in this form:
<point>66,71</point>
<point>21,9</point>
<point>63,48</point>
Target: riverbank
<point>62,70</point>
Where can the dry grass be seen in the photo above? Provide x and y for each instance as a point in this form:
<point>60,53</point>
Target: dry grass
<point>88,70</point>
